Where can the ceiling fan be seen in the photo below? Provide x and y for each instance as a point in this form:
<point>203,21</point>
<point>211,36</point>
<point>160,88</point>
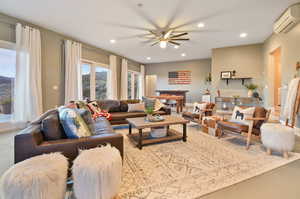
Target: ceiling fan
<point>163,38</point>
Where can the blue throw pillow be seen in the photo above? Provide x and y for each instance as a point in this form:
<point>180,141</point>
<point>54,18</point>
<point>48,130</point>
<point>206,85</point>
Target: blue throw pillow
<point>73,124</point>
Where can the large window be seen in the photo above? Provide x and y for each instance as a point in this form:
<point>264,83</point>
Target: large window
<point>7,77</point>
<point>133,84</point>
<point>94,80</point>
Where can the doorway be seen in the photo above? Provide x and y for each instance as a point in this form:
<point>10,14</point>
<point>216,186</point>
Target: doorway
<point>276,57</point>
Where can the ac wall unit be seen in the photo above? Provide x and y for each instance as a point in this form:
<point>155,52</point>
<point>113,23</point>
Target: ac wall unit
<point>289,19</point>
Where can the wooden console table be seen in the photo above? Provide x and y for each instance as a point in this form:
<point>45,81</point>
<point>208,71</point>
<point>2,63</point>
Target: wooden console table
<point>174,92</point>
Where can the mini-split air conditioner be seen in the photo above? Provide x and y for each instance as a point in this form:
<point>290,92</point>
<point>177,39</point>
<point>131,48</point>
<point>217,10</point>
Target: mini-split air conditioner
<point>289,19</point>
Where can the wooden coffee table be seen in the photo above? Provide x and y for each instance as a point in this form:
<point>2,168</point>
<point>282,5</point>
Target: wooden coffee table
<point>143,138</point>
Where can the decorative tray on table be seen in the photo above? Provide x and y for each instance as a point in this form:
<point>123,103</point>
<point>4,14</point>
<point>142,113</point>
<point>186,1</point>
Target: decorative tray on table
<point>154,118</point>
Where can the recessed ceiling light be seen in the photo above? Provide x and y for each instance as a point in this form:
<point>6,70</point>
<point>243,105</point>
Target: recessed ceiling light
<point>183,54</point>
<point>112,41</point>
<point>201,25</point>
<point>148,58</point>
<point>243,35</point>
<point>176,46</point>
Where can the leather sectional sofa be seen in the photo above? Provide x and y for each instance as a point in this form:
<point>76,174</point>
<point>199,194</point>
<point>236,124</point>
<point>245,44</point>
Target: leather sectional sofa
<point>119,110</point>
<point>46,135</point>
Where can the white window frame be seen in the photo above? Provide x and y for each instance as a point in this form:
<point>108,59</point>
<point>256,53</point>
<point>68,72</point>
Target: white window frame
<point>132,82</point>
<point>9,125</point>
<point>93,65</point>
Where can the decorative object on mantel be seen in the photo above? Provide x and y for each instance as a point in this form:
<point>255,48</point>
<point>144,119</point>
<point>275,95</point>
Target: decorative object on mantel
<point>251,88</point>
<point>225,74</point>
<point>180,77</point>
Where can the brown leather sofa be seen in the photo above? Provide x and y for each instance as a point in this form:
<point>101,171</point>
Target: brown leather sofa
<point>119,108</point>
<point>46,135</point>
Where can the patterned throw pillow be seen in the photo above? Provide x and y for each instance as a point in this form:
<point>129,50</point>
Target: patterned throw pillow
<point>240,115</point>
<point>73,124</point>
<point>158,105</point>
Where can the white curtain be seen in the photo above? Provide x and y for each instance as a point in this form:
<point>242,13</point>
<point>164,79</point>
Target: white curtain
<point>124,80</point>
<point>112,83</point>
<point>142,82</point>
<point>28,82</point>
<point>73,82</point>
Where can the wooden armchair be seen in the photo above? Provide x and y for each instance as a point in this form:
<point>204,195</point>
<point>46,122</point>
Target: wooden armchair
<point>260,116</point>
<point>197,117</point>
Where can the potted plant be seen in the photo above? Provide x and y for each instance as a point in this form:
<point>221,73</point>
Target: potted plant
<point>251,87</point>
<point>149,111</point>
<point>208,78</point>
<point>6,106</point>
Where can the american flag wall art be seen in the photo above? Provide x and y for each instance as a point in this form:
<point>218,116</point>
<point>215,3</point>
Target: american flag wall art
<point>180,77</point>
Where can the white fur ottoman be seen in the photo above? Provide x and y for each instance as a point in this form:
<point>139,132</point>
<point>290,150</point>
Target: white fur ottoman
<point>278,137</point>
<point>97,173</point>
<point>40,177</point>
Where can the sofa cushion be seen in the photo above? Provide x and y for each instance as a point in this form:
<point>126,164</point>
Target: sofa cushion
<point>43,116</point>
<point>73,124</point>
<point>123,106</point>
<point>123,115</point>
<point>51,127</point>
<point>102,126</point>
<point>109,105</point>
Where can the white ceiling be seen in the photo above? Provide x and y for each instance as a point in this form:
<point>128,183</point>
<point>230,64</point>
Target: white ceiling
<point>98,21</point>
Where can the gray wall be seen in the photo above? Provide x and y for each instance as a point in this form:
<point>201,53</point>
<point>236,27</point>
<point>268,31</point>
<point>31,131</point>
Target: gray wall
<point>199,68</point>
<point>52,67</point>
<point>246,60</point>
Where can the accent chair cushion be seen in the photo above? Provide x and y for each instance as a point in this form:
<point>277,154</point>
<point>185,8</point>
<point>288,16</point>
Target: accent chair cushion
<point>73,124</point>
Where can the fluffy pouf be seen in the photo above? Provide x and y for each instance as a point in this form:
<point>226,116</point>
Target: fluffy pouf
<point>40,177</point>
<point>97,173</point>
<point>278,137</point>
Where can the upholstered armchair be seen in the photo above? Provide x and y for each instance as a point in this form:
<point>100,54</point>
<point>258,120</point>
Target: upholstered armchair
<point>197,117</point>
<point>260,116</point>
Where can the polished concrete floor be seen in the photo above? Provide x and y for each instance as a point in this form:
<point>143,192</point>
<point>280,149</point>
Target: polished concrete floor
<point>281,183</point>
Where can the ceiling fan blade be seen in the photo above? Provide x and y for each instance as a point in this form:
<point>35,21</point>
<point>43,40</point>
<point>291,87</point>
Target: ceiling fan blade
<point>181,39</point>
<point>167,35</point>
<point>155,43</point>
<point>175,43</point>
<point>179,35</point>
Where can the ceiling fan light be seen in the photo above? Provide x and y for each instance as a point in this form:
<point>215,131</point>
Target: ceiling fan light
<point>163,44</point>
<point>176,46</point>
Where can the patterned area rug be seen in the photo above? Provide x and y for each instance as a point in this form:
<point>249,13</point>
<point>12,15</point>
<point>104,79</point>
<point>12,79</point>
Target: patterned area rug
<point>188,170</point>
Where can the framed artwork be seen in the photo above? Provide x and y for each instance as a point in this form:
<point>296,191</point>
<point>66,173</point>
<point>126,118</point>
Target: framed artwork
<point>225,74</point>
<point>180,77</point>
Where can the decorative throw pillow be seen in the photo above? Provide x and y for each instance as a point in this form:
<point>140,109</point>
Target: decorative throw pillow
<point>82,105</point>
<point>158,105</point>
<point>95,109</point>
<point>139,107</point>
<point>198,107</point>
<point>240,115</point>
<point>87,117</point>
<point>73,124</point>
